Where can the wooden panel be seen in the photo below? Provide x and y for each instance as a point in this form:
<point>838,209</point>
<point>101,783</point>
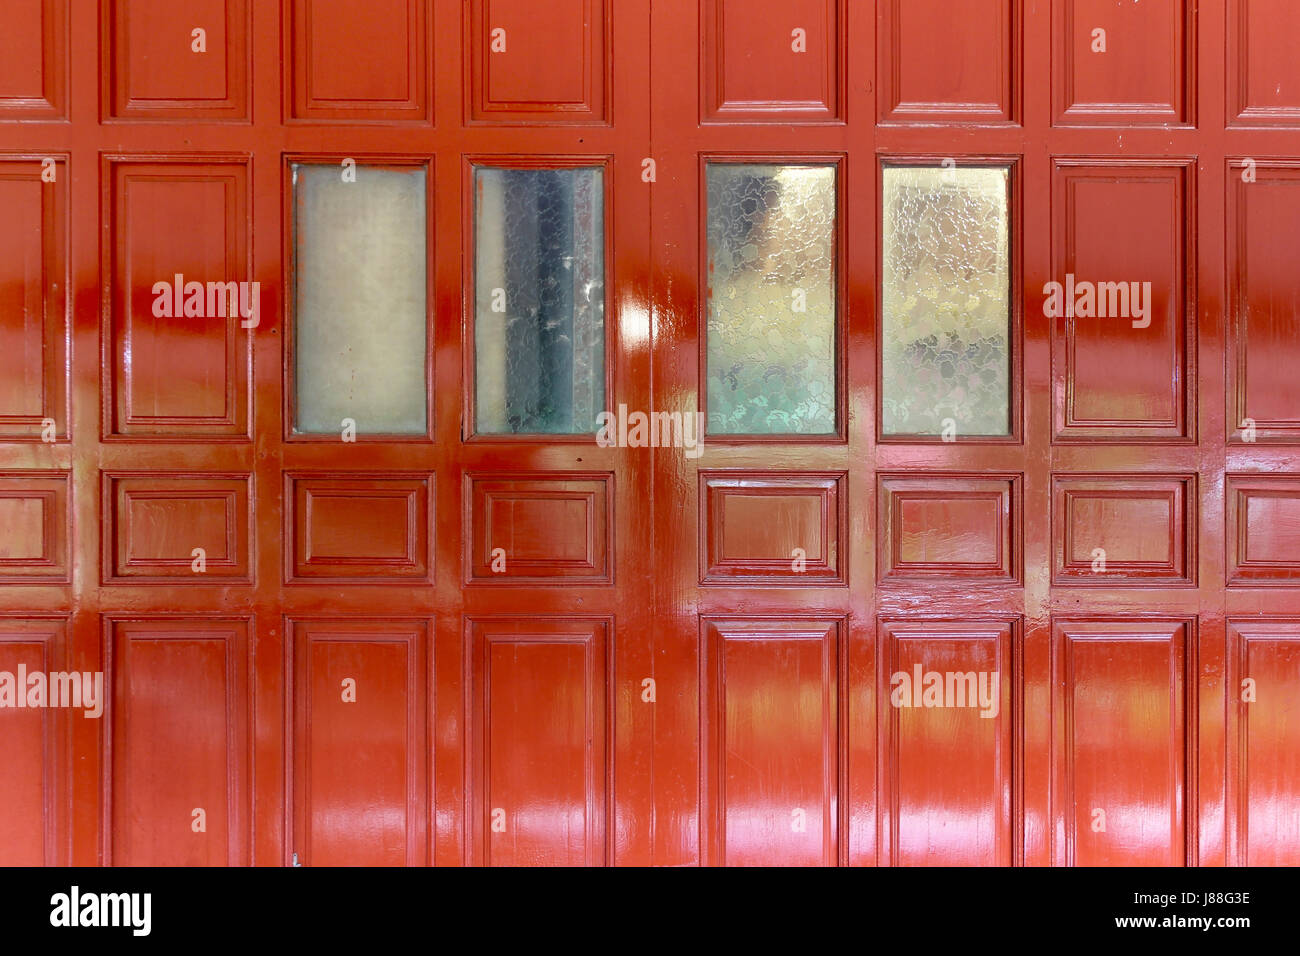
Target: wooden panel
<point>962,527</point>
<point>529,62</point>
<point>1142,525</point>
<point>1263,743</point>
<point>176,377</point>
<point>1120,780</point>
<point>177,734</point>
<point>538,528</point>
<point>363,528</point>
<point>1263,522</point>
<point>34,797</point>
<point>770,765</point>
<point>754,524</point>
<point>34,279</point>
<point>1263,77</point>
<point>1124,64</point>
<point>34,60</point>
<point>770,66</point>
<point>35,527</point>
<point>1263,301</point>
<point>155,521</point>
<point>942,62</point>
<point>349,63</point>
<point>947,715</point>
<point>537,710</point>
<point>1129,374</point>
<point>155,70</point>
<point>360,713</point>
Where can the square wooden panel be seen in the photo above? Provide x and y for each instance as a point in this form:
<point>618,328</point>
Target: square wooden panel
<point>360,528</point>
<point>153,522</point>
<point>1121,784</point>
<point>1263,749</point>
<point>176,377</point>
<point>364,63</point>
<point>1146,75</point>
<point>1263,78</point>
<point>537,63</point>
<point>1130,374</point>
<point>177,726</point>
<point>35,277</point>
<point>1263,529</point>
<point>771,741</point>
<point>943,62</point>
<point>960,528</point>
<point>360,702</point>
<point>947,698</point>
<point>154,70</point>
<point>1143,525</point>
<point>763,68</point>
<point>539,528</point>
<point>1263,228</point>
<point>754,524</point>
<point>34,60</point>
<point>35,798</point>
<point>538,718</point>
<point>35,527</point>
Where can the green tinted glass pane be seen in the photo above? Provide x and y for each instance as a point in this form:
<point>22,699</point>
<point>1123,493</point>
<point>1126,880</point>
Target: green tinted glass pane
<point>360,289</point>
<point>945,355</point>
<point>539,300</point>
<point>771,299</point>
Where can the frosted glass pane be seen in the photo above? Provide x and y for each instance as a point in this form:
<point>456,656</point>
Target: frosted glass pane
<point>946,301</point>
<point>360,290</point>
<point>539,300</point>
<point>771,295</point>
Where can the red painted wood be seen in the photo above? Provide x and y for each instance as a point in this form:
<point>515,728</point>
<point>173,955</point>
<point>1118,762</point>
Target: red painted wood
<point>685,686</point>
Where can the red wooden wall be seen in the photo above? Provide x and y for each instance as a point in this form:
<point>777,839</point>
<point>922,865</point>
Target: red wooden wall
<point>349,680</point>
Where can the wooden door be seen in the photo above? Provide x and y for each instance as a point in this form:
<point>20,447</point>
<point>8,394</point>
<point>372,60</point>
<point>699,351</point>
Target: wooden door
<point>717,432</point>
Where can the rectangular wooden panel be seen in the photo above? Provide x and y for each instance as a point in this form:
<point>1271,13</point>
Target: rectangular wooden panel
<point>537,63</point>
<point>539,528</point>
<point>1124,64</point>
<point>960,527</point>
<point>360,712</point>
<point>1263,79</point>
<point>179,360</point>
<point>34,305</point>
<point>165,61</point>
<point>1263,222</point>
<point>35,527</point>
<point>1123,307</point>
<point>1116,530</point>
<point>537,712</point>
<point>770,729</point>
<point>34,796</point>
<point>176,786</point>
<point>34,60</point>
<point>773,528</point>
<point>942,62</point>
<point>1263,683</point>
<point>770,66</point>
<point>1263,529</point>
<point>946,698</point>
<point>1120,788</point>
<point>364,63</point>
<point>154,523</point>
<point>360,528</point>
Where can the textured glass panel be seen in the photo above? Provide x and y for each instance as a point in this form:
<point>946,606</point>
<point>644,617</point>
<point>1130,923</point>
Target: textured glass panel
<point>539,300</point>
<point>360,296</point>
<point>946,301</point>
<point>771,325</point>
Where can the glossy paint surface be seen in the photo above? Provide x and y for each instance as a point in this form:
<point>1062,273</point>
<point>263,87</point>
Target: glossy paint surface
<point>459,639</point>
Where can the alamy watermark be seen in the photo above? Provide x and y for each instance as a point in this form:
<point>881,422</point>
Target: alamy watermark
<point>207,300</point>
<point>652,430</point>
<point>923,688</point>
<point>83,690</point>
<point>1085,299</point>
